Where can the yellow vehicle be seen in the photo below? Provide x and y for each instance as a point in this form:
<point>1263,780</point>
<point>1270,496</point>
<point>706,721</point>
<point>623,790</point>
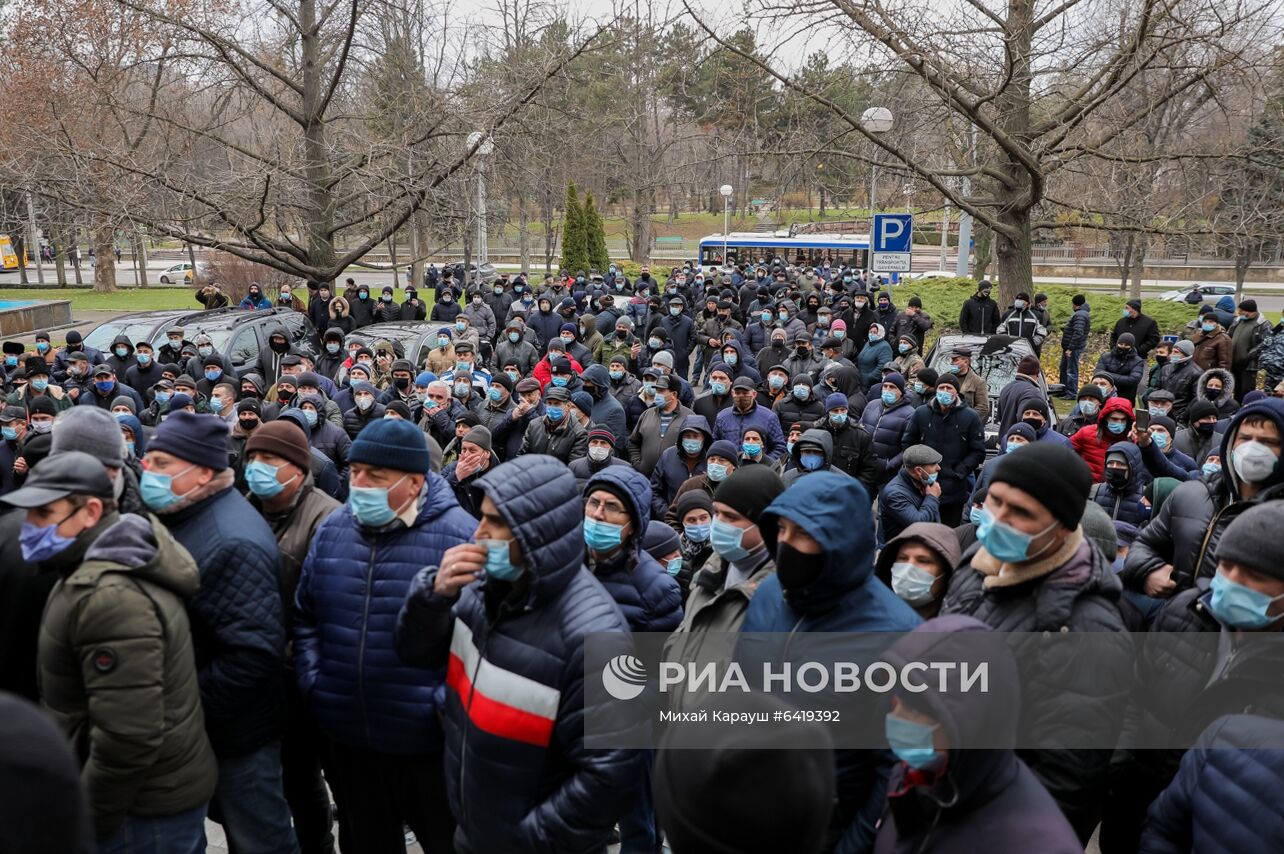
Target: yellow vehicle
<point>8,257</point>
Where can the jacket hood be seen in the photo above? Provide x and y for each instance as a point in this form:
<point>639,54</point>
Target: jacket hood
<point>1114,404</point>
<point>136,427</point>
<point>145,549</point>
<point>537,496</point>
<point>1136,466</point>
<point>935,536</point>
<point>257,380</point>
<point>835,511</point>
<point>634,489</point>
<point>334,333</point>
<point>697,422</point>
<point>812,437</point>
<point>846,380</point>
<point>121,339</point>
<point>1226,303</point>
<point>736,344</point>
<point>1228,385</point>
<point>598,375</point>
<point>1271,408</point>
<point>338,307</point>
<point>968,718</point>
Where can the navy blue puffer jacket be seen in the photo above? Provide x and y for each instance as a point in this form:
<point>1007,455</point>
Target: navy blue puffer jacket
<point>887,425</point>
<point>352,587</point>
<point>1124,504</point>
<point>518,776</point>
<point>649,597</point>
<point>1225,798</point>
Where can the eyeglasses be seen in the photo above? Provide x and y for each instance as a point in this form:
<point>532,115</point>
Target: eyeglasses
<point>610,508</point>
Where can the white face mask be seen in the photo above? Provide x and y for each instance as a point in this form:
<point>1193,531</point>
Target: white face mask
<point>599,454</point>
<point>912,584</point>
<point>1254,462</point>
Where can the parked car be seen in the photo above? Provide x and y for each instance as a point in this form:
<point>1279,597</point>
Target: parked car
<point>995,358</point>
<point>237,333</point>
<point>411,339</point>
<point>183,271</point>
<point>1205,292</point>
<point>149,326</point>
<point>930,274</point>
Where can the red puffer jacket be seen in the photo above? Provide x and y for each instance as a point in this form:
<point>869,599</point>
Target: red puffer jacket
<point>1093,440</point>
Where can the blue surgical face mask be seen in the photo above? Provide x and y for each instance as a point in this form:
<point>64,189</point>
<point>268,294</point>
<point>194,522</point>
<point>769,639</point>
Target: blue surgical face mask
<point>1116,427</point>
<point>310,415</point>
<point>751,449</point>
<point>838,419</point>
<point>105,385</point>
<point>1208,327</point>
<point>716,472</point>
<point>726,540</point>
<point>654,343</point>
<point>602,536</point>
<point>719,389</point>
<point>889,397</point>
<point>213,375</point>
<point>811,462</point>
<point>1088,407</point>
<point>698,533</point>
<point>203,351</point>
<point>216,404</point>
<point>616,375</point>
<point>692,446</point>
<point>674,565</point>
<point>513,375</point>
<point>912,742</point>
<point>157,490</point>
<point>370,504</point>
<point>10,361</point>
<point>554,413</point>
<point>561,382</point>
<point>974,515</point>
<point>730,358</point>
<point>1160,440</point>
<point>912,583</point>
<point>903,347</point>
<point>495,393</point>
<point>143,359</point>
<point>954,369</point>
<point>261,479</point>
<point>162,397</point>
<point>1006,543</point>
<point>129,446</point>
<point>1210,469</point>
<point>9,433</point>
<point>945,398</point>
<point>40,544</point>
<point>1013,446</point>
<point>776,382</point>
<point>661,400</point>
<point>332,347</point>
<point>498,564</point>
<point>514,337</point>
<point>443,341</point>
<point>840,334</point>
<point>1239,606</point>
<point>121,352</point>
<point>802,392</point>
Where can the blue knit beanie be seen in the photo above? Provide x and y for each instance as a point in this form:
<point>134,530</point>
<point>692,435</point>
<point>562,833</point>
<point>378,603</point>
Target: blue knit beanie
<point>835,400</point>
<point>199,439</point>
<point>391,443</point>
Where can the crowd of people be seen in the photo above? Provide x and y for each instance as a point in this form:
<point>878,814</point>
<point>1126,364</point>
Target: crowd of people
<point>345,575</point>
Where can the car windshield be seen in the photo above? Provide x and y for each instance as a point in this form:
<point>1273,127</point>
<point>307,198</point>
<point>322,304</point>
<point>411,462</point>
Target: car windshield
<point>219,335</point>
<point>405,337</point>
<point>997,368</point>
<point>136,329</point>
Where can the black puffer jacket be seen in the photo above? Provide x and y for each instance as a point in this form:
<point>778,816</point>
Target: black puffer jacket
<point>1081,595</point>
<point>518,775</point>
<point>1180,379</point>
<point>1190,523</point>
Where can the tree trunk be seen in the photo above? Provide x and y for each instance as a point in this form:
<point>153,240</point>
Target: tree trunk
<point>319,204</point>
<point>75,245</point>
<point>1243,260</point>
<point>20,248</point>
<point>105,263</point>
<point>523,233</point>
<point>1013,258</point>
<point>983,240</point>
<point>416,263</point>
<point>140,261</point>
<point>550,237</point>
<point>640,248</point>
<point>1138,267</point>
<point>60,269</point>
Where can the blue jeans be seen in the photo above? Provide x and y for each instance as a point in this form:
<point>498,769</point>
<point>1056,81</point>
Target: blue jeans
<point>250,803</point>
<point>639,830</point>
<point>183,833</point>
<point>1070,370</point>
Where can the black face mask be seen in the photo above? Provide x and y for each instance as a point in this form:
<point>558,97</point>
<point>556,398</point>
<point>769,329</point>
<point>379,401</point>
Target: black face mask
<point>801,352</point>
<point>1035,424</point>
<point>796,569</point>
<point>278,346</point>
<point>285,396</point>
<point>248,394</point>
<point>1212,393</point>
<point>248,424</point>
<point>779,345</point>
<point>1161,360</point>
<point>1205,429</point>
<point>1117,478</point>
<point>1123,352</point>
<point>402,383</point>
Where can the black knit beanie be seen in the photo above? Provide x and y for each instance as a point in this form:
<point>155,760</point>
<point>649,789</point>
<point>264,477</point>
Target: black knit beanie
<point>749,490</point>
<point>1053,474</point>
<point>1243,541</point>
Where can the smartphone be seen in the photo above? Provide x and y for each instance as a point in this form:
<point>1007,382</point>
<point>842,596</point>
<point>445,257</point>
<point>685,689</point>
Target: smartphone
<point>1143,420</point>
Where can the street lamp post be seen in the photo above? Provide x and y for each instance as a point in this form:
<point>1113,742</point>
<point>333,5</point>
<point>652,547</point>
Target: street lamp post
<point>727,192</point>
<point>484,150</point>
<point>875,120</point>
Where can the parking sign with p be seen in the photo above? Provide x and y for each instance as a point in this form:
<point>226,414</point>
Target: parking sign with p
<point>891,243</point>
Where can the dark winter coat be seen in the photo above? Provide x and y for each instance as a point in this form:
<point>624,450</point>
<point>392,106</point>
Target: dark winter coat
<point>1092,441</point>
<point>1144,331</point>
<point>1080,595</point>
<point>518,776</point>
<point>118,675</point>
<point>1224,405</point>
<point>645,443</point>
<point>732,424</point>
<point>790,410</point>
<point>353,585</point>
<point>238,621</point>
<point>886,424</point>
<point>960,439</point>
<point>1124,371</point>
<point>902,503</point>
<point>845,597</point>
<point>988,795</point>
<point>1181,379</point>
<point>675,467</point>
<point>1075,334</point>
<point>567,440</point>
<point>1016,396</point>
<point>607,411</point>
<point>1124,504</point>
<point>979,316</point>
<point>871,359</point>
<point>682,339</point>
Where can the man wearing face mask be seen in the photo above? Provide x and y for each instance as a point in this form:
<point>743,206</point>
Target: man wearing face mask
<point>822,535</point>
<point>254,299</point>
<point>104,389</point>
<point>1024,389</point>
<point>557,433</point>
<point>1036,572</point>
<point>237,618</point>
<point>1123,366</point>
<point>658,426</point>
<point>278,472</point>
<point>116,667</point>
<point>13,427</point>
<point>1092,441</point>
<point>980,314</point>
<point>954,429</point>
<point>1243,600</point>
<point>270,359</point>
<point>381,716</point>
<point>913,495</point>
<point>513,348</point>
<point>812,453</point>
<point>522,586</point>
<point>39,387</point>
<point>1084,413</point>
<point>366,408</point>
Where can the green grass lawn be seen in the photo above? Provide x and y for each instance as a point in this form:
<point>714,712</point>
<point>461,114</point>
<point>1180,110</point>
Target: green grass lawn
<point>126,299</point>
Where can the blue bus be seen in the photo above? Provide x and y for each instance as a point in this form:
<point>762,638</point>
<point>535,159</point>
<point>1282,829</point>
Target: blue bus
<point>803,249</point>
